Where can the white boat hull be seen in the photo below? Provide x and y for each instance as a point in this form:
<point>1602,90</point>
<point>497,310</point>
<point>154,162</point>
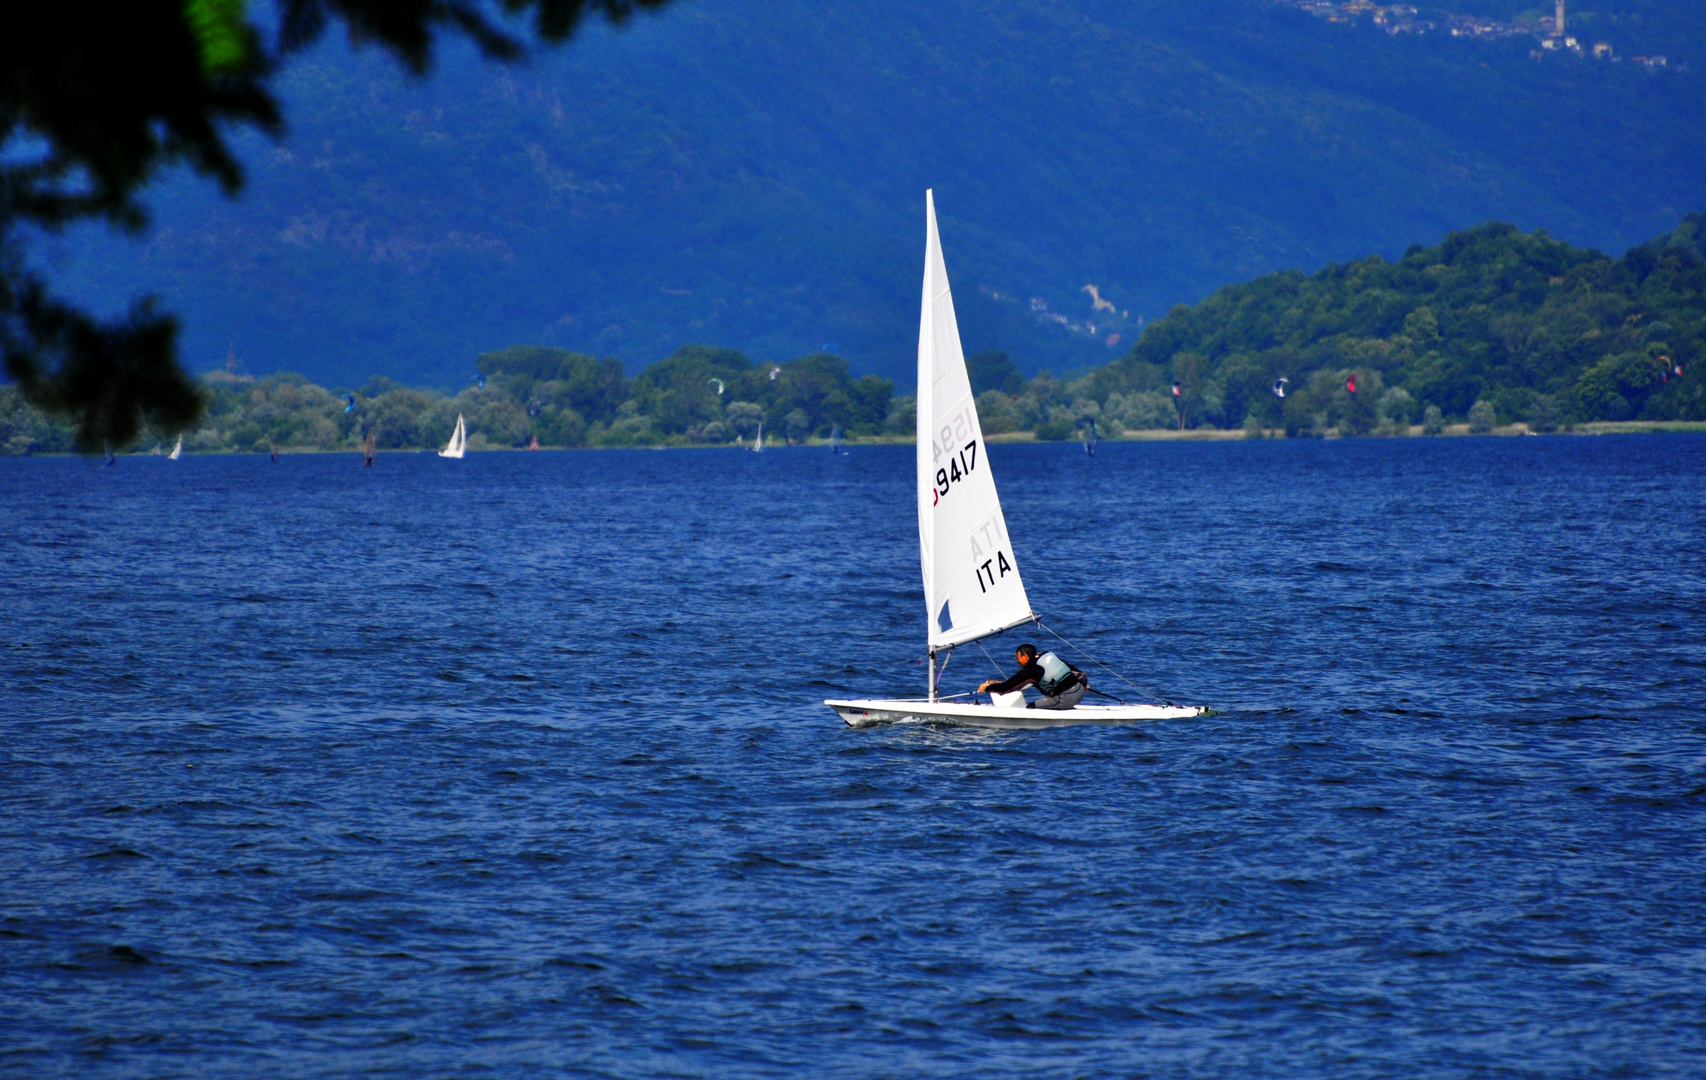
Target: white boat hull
<point>867,712</point>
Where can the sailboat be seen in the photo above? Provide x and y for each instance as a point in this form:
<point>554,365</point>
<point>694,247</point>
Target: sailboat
<point>835,440</point>
<point>972,587</point>
<point>758,443</point>
<point>177,450</point>
<point>459,440</point>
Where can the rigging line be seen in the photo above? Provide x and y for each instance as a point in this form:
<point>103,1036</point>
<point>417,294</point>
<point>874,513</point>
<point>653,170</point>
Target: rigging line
<point>1105,667</point>
<point>988,657</point>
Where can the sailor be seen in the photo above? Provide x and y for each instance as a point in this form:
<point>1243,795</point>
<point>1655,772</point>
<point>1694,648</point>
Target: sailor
<point>1061,684</point>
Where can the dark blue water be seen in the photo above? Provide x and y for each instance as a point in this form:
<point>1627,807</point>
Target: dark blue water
<point>519,765</point>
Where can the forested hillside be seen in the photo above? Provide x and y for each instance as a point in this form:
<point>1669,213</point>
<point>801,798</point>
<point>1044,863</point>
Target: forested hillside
<point>752,174</point>
<point>1543,331</point>
<point>1490,325</point>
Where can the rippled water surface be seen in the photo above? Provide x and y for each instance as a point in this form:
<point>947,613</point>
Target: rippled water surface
<point>519,764</point>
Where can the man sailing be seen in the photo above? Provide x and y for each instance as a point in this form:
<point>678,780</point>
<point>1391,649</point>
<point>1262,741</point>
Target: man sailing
<point>1061,684</point>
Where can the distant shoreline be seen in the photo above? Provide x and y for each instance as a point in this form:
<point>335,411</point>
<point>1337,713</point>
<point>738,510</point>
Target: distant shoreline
<point>1598,427</point>
<point>1607,427</point>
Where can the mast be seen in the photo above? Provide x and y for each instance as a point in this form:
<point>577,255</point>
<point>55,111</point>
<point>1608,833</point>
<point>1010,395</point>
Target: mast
<point>926,469</point>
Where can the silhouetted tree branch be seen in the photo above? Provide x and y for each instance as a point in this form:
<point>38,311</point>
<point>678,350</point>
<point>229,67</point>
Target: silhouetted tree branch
<point>97,98</point>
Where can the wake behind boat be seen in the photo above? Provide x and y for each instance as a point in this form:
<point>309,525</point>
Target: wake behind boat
<point>972,587</point>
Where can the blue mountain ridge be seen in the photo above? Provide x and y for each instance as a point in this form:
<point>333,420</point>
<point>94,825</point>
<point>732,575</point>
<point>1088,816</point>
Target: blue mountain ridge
<point>751,175</point>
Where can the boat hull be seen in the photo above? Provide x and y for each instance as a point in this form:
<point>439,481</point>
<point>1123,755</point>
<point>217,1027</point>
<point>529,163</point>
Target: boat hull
<point>862,712</point>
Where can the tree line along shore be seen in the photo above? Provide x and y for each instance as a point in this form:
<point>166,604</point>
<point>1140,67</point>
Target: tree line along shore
<point>1492,330</point>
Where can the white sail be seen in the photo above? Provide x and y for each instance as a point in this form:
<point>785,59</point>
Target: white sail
<point>758,443</point>
<point>178,449</point>
<point>458,440</point>
<point>971,579</point>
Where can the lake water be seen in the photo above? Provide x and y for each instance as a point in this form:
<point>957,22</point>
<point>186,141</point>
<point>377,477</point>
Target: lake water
<point>519,764</point>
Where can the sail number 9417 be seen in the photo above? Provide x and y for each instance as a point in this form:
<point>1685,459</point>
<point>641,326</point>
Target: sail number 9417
<point>959,467</point>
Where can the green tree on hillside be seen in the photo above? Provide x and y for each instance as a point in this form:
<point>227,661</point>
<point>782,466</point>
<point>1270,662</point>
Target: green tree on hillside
<point>561,393</point>
<point>994,370</point>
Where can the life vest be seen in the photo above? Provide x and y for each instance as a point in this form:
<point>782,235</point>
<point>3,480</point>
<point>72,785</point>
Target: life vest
<point>1058,675</point>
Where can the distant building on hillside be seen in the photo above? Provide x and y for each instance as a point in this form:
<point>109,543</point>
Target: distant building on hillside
<point>1549,33</point>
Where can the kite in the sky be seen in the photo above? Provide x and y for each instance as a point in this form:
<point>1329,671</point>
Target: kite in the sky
<point>350,398</point>
<point>1279,387</point>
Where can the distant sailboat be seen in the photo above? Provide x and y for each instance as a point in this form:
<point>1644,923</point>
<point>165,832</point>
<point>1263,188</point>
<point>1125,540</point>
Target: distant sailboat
<point>178,449</point>
<point>758,443</point>
<point>961,528</point>
<point>1092,438</point>
<point>369,451</point>
<point>835,440</point>
<point>458,440</point>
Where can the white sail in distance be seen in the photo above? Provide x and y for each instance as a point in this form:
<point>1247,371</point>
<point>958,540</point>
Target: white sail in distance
<point>458,440</point>
<point>177,450</point>
<point>971,579</point>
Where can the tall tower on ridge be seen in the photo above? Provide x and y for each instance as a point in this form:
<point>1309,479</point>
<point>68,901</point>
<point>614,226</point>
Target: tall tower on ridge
<point>1559,31</point>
